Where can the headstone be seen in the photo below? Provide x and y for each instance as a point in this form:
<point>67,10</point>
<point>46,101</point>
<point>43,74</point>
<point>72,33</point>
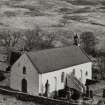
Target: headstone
<point>103,93</point>
<point>87,91</point>
<point>91,94</point>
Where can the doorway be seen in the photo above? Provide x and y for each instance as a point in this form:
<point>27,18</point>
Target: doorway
<point>24,85</point>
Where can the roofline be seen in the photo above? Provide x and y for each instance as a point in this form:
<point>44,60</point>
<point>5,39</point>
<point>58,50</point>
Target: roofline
<point>33,64</point>
<point>85,53</point>
<point>50,49</point>
<point>66,67</point>
<point>62,67</point>
<point>58,69</point>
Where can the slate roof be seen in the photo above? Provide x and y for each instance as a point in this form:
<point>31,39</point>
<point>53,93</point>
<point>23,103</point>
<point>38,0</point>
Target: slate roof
<point>57,58</point>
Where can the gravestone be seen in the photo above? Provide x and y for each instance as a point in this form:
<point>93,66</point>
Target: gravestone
<point>91,94</point>
<point>103,93</point>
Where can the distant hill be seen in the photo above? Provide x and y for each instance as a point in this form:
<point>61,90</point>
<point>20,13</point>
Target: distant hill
<point>79,15</point>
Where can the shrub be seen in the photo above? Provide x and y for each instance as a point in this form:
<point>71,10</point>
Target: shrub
<point>82,2</point>
<point>2,76</point>
<point>102,2</point>
<point>83,10</point>
<point>65,10</point>
<point>9,14</point>
<point>76,95</point>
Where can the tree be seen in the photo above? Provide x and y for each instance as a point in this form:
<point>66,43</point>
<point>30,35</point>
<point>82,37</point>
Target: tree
<point>88,42</point>
<point>2,76</point>
<point>35,39</point>
<point>47,43</point>
<point>32,39</point>
<point>9,39</point>
<point>100,56</point>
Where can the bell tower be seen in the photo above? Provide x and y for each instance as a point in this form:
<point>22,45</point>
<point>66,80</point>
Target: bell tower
<point>76,40</point>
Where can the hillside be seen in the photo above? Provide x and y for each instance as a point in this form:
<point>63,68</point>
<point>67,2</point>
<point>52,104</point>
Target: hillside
<point>7,100</point>
<point>79,15</point>
<point>25,14</point>
<point>50,15</point>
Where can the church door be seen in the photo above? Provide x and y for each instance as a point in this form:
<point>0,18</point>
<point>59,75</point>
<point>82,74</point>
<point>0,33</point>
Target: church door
<point>24,85</point>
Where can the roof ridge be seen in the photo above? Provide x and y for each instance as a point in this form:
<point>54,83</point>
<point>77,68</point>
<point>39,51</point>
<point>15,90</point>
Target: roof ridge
<point>51,49</point>
<point>85,53</point>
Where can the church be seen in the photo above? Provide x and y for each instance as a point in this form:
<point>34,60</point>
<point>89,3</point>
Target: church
<point>35,71</point>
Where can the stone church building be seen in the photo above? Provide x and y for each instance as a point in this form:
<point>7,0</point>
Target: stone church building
<point>34,70</point>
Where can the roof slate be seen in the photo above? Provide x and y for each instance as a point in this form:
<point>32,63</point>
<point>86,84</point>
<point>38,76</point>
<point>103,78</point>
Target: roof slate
<point>57,58</point>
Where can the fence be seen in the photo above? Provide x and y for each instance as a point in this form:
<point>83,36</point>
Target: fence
<point>36,99</point>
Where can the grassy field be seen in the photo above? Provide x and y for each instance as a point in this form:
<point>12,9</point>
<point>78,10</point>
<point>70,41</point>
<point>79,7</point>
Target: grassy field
<point>81,15</point>
<point>26,14</point>
<point>7,100</point>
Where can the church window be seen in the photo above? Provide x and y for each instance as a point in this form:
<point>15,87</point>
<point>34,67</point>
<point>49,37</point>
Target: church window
<point>62,77</point>
<point>24,70</point>
<point>73,72</point>
<point>86,73</point>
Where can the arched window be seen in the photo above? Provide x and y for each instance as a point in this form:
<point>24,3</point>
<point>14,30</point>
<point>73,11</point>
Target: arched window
<point>19,64</point>
<point>62,77</point>
<point>73,71</point>
<point>55,79</point>
<point>86,73</point>
<point>24,70</point>
<point>24,85</point>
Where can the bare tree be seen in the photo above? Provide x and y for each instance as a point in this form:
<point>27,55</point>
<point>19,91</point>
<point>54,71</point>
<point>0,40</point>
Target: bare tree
<point>9,38</point>
<point>49,40</point>
<point>34,39</point>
